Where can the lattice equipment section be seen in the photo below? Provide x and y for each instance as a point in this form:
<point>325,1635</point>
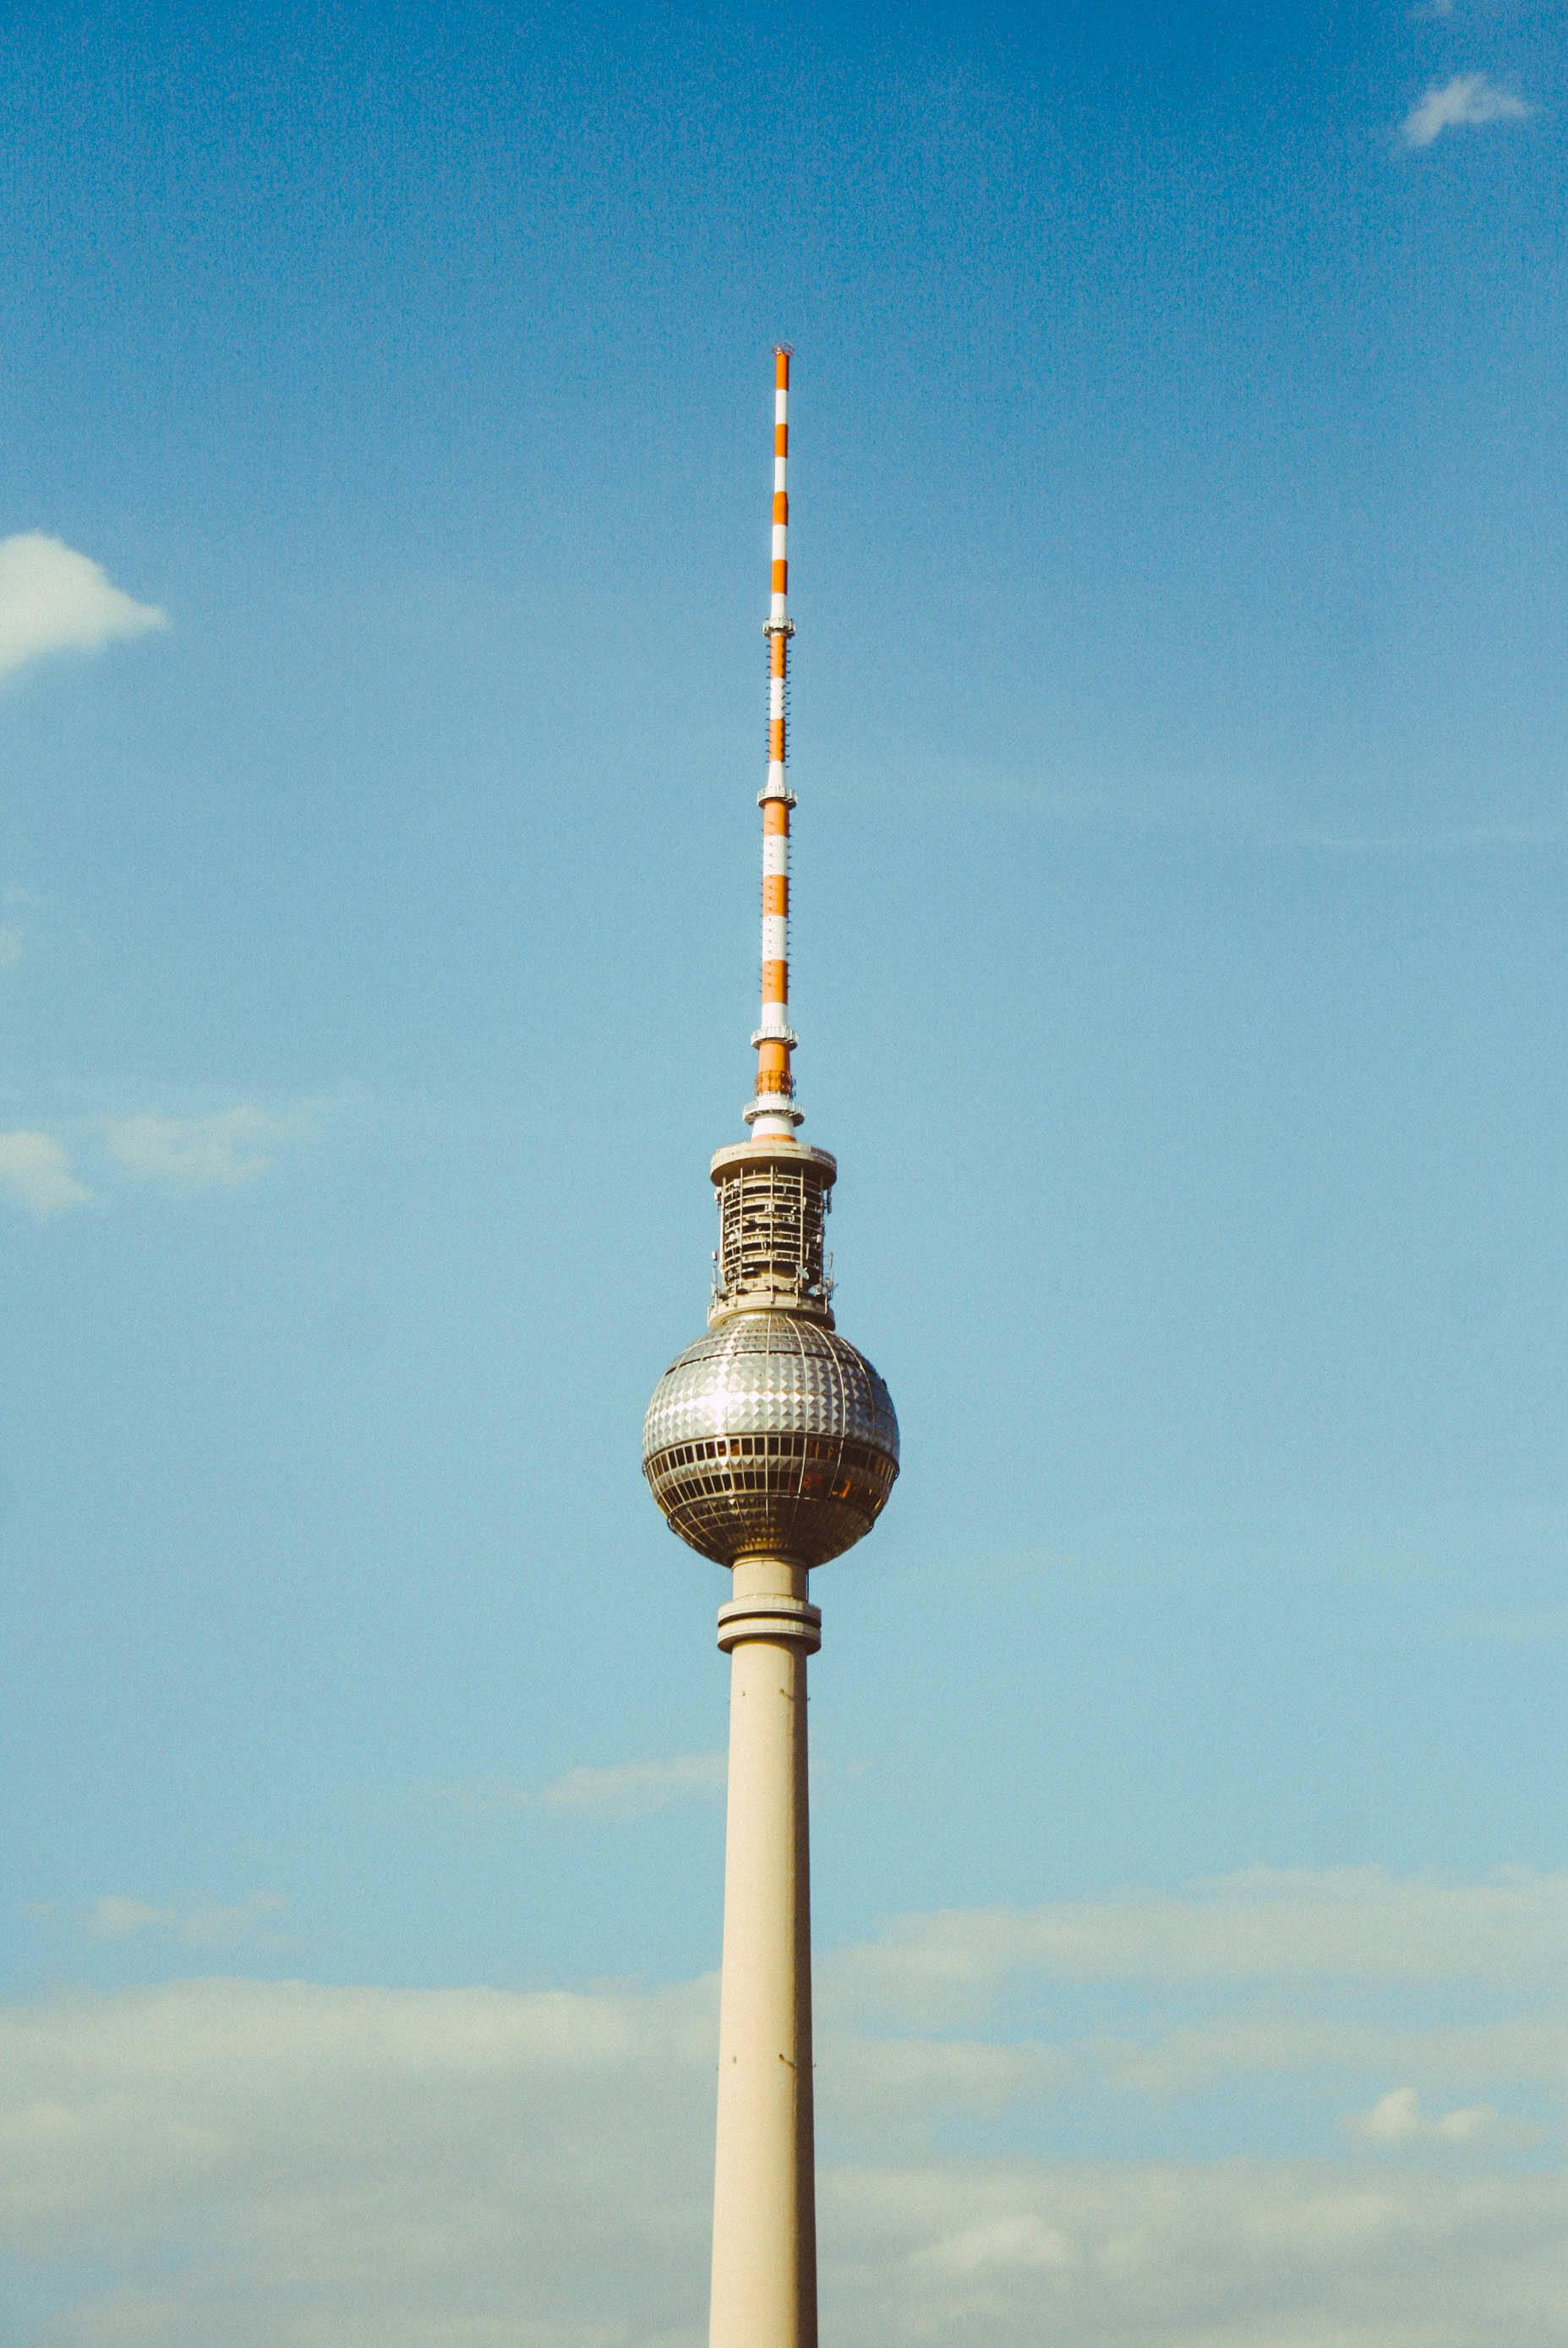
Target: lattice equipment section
<point>773,1206</point>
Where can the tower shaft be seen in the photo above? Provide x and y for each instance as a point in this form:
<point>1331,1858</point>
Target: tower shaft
<point>764,2203</point>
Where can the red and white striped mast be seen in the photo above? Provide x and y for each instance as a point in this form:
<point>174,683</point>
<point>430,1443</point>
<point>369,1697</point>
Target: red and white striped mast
<point>772,1114</point>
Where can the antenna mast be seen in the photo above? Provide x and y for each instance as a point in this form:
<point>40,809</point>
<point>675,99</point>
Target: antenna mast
<point>772,1114</point>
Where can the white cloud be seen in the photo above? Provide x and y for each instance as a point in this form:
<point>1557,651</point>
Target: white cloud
<point>1468,99</point>
<point>280,2165</point>
<point>53,600</point>
<point>114,1917</point>
<point>1169,2254</point>
<point>1532,2048</point>
<point>619,1789</point>
<point>199,1923</point>
<point>1023,2240</point>
<point>36,1170</point>
<point>870,2088</point>
<point>226,1148</point>
<point>630,1789</point>
<point>1261,1924</point>
<point>355,2165</point>
<point>1396,2119</point>
<point>232,2164</point>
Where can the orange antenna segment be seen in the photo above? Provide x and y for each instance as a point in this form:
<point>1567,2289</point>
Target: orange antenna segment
<point>773,1115</point>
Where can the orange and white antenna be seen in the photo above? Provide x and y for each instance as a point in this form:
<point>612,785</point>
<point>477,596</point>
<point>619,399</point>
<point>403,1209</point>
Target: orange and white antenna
<point>772,1114</point>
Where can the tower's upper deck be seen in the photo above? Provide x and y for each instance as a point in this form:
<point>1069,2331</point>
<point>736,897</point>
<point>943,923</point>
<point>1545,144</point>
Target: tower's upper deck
<point>773,1203</point>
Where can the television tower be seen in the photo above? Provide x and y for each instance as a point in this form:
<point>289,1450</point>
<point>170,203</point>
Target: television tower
<point>772,1446</point>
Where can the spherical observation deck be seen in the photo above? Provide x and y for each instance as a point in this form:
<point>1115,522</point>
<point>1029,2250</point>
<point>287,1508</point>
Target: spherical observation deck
<point>770,1436</point>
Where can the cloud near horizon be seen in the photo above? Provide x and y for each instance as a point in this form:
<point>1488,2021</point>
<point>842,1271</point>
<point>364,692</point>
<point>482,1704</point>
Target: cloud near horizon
<point>248,2164</point>
<point>53,600</point>
<point>1469,99</point>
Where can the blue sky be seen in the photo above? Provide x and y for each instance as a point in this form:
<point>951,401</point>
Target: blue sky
<point>1178,726</point>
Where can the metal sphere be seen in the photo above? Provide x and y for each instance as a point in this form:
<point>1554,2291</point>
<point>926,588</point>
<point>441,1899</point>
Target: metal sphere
<point>770,1436</point>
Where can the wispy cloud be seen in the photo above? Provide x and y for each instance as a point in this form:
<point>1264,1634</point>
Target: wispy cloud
<point>55,600</point>
<point>216,1148</point>
<point>631,1789</point>
<point>1460,840</point>
<point>620,1789</point>
<point>198,1923</point>
<point>225,1147</point>
<point>35,1170</point>
<point>1262,1924</point>
<point>1469,99</point>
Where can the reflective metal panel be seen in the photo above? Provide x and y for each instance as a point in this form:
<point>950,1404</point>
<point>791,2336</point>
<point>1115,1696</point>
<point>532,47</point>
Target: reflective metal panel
<point>771,1432</point>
